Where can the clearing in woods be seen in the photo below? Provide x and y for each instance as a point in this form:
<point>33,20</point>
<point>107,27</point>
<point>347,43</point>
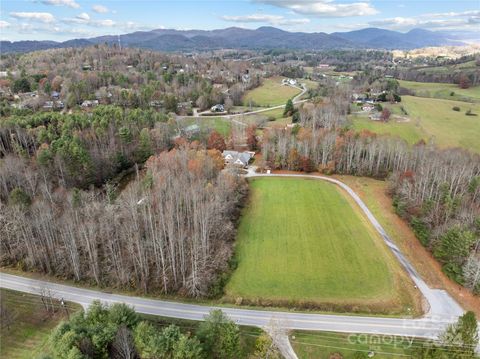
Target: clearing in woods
<point>304,242</point>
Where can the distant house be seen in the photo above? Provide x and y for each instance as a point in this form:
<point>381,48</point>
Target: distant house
<point>238,158</point>
<point>89,103</point>
<point>48,105</point>
<point>191,130</point>
<point>217,108</point>
<point>291,82</point>
<point>368,108</point>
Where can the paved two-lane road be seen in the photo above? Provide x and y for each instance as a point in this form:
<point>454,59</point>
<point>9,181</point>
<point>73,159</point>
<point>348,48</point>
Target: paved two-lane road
<point>427,328</point>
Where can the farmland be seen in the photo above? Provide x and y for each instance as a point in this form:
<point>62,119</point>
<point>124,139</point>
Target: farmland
<point>434,120</point>
<point>270,93</point>
<point>442,91</point>
<point>302,241</point>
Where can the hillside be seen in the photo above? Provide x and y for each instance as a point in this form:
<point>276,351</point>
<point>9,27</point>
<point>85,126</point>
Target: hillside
<point>237,38</point>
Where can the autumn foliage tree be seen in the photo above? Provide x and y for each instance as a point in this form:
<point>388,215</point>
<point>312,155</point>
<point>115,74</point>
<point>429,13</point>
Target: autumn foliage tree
<point>385,115</point>
<point>464,82</point>
<point>216,141</point>
<point>252,140</point>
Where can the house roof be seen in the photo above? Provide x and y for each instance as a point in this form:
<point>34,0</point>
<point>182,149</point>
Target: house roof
<point>238,157</point>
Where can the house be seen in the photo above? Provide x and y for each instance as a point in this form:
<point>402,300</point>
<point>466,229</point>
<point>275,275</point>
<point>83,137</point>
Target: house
<point>368,108</point>
<point>217,108</point>
<point>89,103</point>
<point>191,130</point>
<point>238,158</point>
<point>291,82</point>
<point>48,105</point>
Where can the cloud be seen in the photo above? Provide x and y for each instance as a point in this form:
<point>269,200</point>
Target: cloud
<point>264,18</point>
<point>107,23</point>
<point>4,24</point>
<point>100,9</point>
<point>69,3</point>
<point>466,20</point>
<point>83,16</point>
<point>45,17</point>
<point>323,8</point>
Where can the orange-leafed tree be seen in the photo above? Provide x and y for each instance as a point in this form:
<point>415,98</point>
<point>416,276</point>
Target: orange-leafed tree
<point>216,141</point>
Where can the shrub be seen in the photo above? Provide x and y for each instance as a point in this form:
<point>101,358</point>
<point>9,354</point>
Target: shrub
<point>421,230</point>
<point>456,108</point>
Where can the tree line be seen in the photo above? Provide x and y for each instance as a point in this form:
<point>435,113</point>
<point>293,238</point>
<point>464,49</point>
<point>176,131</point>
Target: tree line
<point>118,332</point>
<point>170,231</point>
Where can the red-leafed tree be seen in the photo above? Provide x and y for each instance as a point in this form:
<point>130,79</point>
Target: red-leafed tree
<point>464,82</point>
<point>216,141</point>
<point>385,115</point>
<point>252,140</point>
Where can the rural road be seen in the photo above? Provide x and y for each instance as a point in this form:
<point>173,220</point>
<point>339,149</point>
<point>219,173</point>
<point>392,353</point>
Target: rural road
<point>233,117</point>
<point>443,310</point>
<point>424,327</point>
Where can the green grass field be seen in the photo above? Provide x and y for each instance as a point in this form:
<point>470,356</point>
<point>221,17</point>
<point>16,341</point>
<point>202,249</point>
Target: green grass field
<point>320,345</point>
<point>442,91</point>
<point>433,120</point>
<point>219,124</point>
<point>303,241</point>
<point>27,336</point>
<point>270,93</point>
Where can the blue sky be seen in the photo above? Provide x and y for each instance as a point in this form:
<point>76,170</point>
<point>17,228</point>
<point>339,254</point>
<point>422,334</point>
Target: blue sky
<point>65,19</point>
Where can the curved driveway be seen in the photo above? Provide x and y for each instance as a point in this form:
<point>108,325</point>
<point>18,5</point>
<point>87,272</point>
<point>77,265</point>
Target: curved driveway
<point>440,303</point>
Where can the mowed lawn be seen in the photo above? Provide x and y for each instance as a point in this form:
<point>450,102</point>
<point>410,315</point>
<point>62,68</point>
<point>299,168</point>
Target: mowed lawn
<point>270,93</point>
<point>433,120</point>
<point>303,240</point>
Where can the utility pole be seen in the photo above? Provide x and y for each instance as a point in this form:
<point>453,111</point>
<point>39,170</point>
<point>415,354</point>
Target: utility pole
<point>64,305</point>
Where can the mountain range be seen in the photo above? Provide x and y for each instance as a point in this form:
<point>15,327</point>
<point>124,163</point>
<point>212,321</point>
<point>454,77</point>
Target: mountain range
<point>262,38</point>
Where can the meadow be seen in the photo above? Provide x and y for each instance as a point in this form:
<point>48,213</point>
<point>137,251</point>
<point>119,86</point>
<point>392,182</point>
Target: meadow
<point>270,93</point>
<point>433,120</point>
<point>442,91</point>
<point>303,242</point>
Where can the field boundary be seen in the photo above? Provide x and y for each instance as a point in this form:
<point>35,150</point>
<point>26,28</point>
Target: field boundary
<point>439,302</point>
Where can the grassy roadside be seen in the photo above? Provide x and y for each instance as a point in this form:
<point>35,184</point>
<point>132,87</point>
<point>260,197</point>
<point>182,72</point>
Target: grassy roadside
<point>26,324</point>
<point>374,194</point>
<point>320,345</point>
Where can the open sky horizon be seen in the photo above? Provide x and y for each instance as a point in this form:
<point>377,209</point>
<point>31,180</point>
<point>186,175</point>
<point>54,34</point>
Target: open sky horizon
<point>62,20</point>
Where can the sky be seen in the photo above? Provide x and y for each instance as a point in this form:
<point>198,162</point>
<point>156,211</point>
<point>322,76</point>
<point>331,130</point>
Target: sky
<point>61,20</point>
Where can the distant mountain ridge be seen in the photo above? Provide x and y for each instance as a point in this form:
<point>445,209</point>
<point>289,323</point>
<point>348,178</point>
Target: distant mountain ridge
<point>262,38</point>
